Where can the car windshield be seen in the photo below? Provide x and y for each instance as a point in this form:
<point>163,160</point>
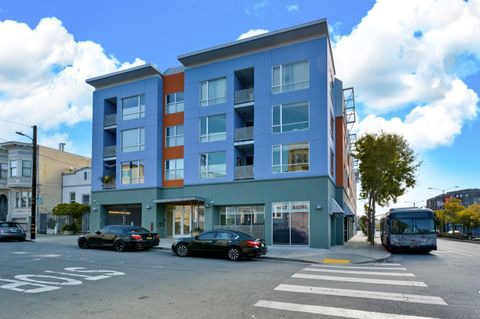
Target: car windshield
<point>407,226</point>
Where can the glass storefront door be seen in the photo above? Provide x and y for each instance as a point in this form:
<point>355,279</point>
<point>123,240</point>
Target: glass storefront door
<point>290,223</point>
<point>186,218</point>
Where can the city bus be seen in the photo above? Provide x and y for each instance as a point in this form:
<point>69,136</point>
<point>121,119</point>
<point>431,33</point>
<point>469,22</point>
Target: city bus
<point>409,229</point>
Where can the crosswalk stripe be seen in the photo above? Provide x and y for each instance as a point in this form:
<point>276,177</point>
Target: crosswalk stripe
<point>363,280</point>
<point>355,272</point>
<point>332,311</point>
<point>357,267</point>
<point>363,294</point>
<point>387,264</point>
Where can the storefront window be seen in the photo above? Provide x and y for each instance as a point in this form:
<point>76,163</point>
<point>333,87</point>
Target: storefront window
<point>290,223</point>
<point>248,219</point>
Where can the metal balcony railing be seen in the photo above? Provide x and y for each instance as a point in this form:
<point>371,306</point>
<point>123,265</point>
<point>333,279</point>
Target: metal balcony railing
<point>110,184</point>
<point>243,96</point>
<point>244,133</point>
<point>110,151</point>
<point>110,120</point>
<point>244,172</point>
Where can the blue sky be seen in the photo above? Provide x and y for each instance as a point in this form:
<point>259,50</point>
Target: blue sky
<point>397,56</point>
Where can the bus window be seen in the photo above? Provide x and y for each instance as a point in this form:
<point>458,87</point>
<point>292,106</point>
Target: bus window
<point>401,226</point>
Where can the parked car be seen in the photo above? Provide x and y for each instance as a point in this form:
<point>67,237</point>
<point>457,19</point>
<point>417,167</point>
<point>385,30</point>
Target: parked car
<point>233,244</point>
<point>120,237</point>
<point>9,230</point>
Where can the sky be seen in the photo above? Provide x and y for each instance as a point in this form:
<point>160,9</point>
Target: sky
<point>415,66</point>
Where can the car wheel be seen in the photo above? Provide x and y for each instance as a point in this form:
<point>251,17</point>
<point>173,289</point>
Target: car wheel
<point>181,250</point>
<point>82,243</point>
<point>119,246</point>
<point>233,253</point>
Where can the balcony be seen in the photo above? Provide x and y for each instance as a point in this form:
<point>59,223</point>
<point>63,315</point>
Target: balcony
<point>244,172</point>
<point>244,96</point>
<point>110,151</point>
<point>110,120</point>
<point>19,181</point>
<point>244,134</point>
<point>110,184</point>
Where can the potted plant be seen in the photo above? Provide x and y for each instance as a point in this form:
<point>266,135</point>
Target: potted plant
<point>106,179</point>
<point>69,229</point>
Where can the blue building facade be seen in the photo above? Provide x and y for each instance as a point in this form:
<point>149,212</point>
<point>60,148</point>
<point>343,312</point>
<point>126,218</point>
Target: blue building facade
<point>250,135</point>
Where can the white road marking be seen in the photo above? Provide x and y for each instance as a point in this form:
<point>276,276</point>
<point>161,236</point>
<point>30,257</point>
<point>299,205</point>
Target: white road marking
<point>63,281</point>
<point>363,280</point>
<point>15,284</point>
<point>19,253</point>
<point>91,278</point>
<point>84,270</point>
<point>47,256</point>
<point>357,267</point>
<point>387,264</point>
<point>461,254</point>
<point>447,252</point>
<point>355,272</point>
<point>363,294</point>
<point>332,311</point>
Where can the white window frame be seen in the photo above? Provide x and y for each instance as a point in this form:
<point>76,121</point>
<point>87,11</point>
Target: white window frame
<point>212,101</point>
<point>177,172</point>
<point>84,202</point>
<point>175,104</point>
<point>3,170</point>
<point>137,147</point>
<point>282,85</point>
<point>281,159</point>
<point>13,167</point>
<point>281,125</point>
<point>206,174</point>
<point>72,197</point>
<point>177,139</point>
<point>212,137</point>
<point>131,180</point>
<point>140,107</point>
<point>26,168</point>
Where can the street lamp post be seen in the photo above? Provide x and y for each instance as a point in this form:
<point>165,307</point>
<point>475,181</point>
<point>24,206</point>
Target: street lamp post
<point>414,203</point>
<point>443,195</point>
<point>33,205</point>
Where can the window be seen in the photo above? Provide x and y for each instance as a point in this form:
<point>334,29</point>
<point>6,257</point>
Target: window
<point>213,92</point>
<point>72,197</point>
<point>174,169</point>
<point>174,136</point>
<point>332,163</point>
<point>132,172</point>
<point>290,117</point>
<point>208,236</point>
<point>85,176</point>
<point>26,168</point>
<point>133,140</point>
<point>174,103</point>
<point>290,77</point>
<point>23,199</point>
<point>290,223</point>
<point>244,216</point>
<point>213,165</point>
<point>3,170</point>
<point>332,125</point>
<point>85,199</point>
<point>290,157</point>
<point>13,168</point>
<point>213,128</point>
<point>133,107</point>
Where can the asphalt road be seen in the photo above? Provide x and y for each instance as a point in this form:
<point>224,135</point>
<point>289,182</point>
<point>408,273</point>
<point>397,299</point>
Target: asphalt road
<point>67,282</point>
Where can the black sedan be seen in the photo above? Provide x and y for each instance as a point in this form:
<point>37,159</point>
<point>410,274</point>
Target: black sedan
<point>120,237</point>
<point>233,244</point>
<point>9,230</point>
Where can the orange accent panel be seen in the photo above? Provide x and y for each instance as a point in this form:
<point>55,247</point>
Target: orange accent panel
<point>174,183</point>
<point>173,119</point>
<point>172,152</point>
<point>173,83</point>
<point>339,150</point>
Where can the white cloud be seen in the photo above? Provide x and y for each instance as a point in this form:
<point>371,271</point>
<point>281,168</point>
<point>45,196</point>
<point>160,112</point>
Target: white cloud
<point>252,33</point>
<point>292,8</point>
<point>409,56</point>
<point>43,72</point>
<point>258,8</point>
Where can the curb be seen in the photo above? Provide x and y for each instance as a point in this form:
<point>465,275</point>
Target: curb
<point>462,240</point>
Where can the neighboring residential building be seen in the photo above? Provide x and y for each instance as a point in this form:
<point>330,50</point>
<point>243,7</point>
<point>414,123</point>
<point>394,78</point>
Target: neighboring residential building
<point>466,196</point>
<point>77,186</point>
<point>252,135</point>
<point>16,180</point>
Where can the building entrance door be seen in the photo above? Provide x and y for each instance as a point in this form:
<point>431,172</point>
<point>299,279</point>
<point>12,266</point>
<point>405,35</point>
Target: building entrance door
<point>182,221</point>
<point>3,207</point>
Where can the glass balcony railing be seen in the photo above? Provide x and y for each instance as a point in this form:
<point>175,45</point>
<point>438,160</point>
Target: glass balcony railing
<point>244,134</point>
<point>244,172</point>
<point>244,96</point>
<point>110,151</point>
<point>110,120</point>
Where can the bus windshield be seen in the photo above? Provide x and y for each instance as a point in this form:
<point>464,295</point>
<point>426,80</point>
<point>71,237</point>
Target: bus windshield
<point>407,226</point>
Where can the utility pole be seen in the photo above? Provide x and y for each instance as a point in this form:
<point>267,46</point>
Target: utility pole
<point>34,184</point>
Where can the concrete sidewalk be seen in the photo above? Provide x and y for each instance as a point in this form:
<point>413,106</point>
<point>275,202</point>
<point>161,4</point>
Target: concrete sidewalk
<point>357,250</point>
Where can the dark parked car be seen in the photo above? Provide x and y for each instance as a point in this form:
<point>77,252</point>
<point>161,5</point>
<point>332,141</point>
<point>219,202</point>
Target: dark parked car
<point>120,237</point>
<point>9,230</point>
<point>233,244</point>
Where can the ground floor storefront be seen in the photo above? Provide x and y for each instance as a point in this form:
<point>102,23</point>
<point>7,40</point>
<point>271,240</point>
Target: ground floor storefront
<point>303,211</point>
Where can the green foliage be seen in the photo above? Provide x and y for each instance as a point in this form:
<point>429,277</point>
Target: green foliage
<point>70,227</point>
<point>387,168</point>
<point>75,210</point>
<point>452,207</point>
<point>363,224</point>
<point>469,217</point>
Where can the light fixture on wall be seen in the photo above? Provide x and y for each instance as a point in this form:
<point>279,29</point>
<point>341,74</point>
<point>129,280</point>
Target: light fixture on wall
<point>318,207</point>
<point>212,202</point>
<point>148,207</point>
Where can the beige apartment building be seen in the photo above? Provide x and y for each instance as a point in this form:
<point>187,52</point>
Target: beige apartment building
<point>16,180</point>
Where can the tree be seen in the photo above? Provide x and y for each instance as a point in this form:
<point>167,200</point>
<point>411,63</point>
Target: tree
<point>74,210</point>
<point>452,207</point>
<point>387,168</point>
<point>442,218</point>
<point>363,224</point>
<point>469,217</point>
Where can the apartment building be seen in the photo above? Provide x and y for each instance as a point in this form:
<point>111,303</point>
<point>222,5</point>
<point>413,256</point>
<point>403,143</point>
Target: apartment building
<point>251,135</point>
<point>467,197</point>
<point>77,186</point>
<point>16,181</point>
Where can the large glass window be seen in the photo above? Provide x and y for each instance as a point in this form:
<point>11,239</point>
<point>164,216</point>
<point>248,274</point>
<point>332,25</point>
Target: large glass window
<point>133,140</point>
<point>132,172</point>
<point>26,168</point>
<point>290,77</point>
<point>408,226</point>
<point>174,103</point>
<point>3,170</point>
<point>290,223</point>
<point>213,128</point>
<point>248,219</point>
<point>213,92</point>
<point>290,117</point>
<point>174,136</point>
<point>13,168</point>
<point>290,158</point>
<point>23,199</point>
<point>133,107</point>
<point>213,165</point>
<point>174,169</point>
